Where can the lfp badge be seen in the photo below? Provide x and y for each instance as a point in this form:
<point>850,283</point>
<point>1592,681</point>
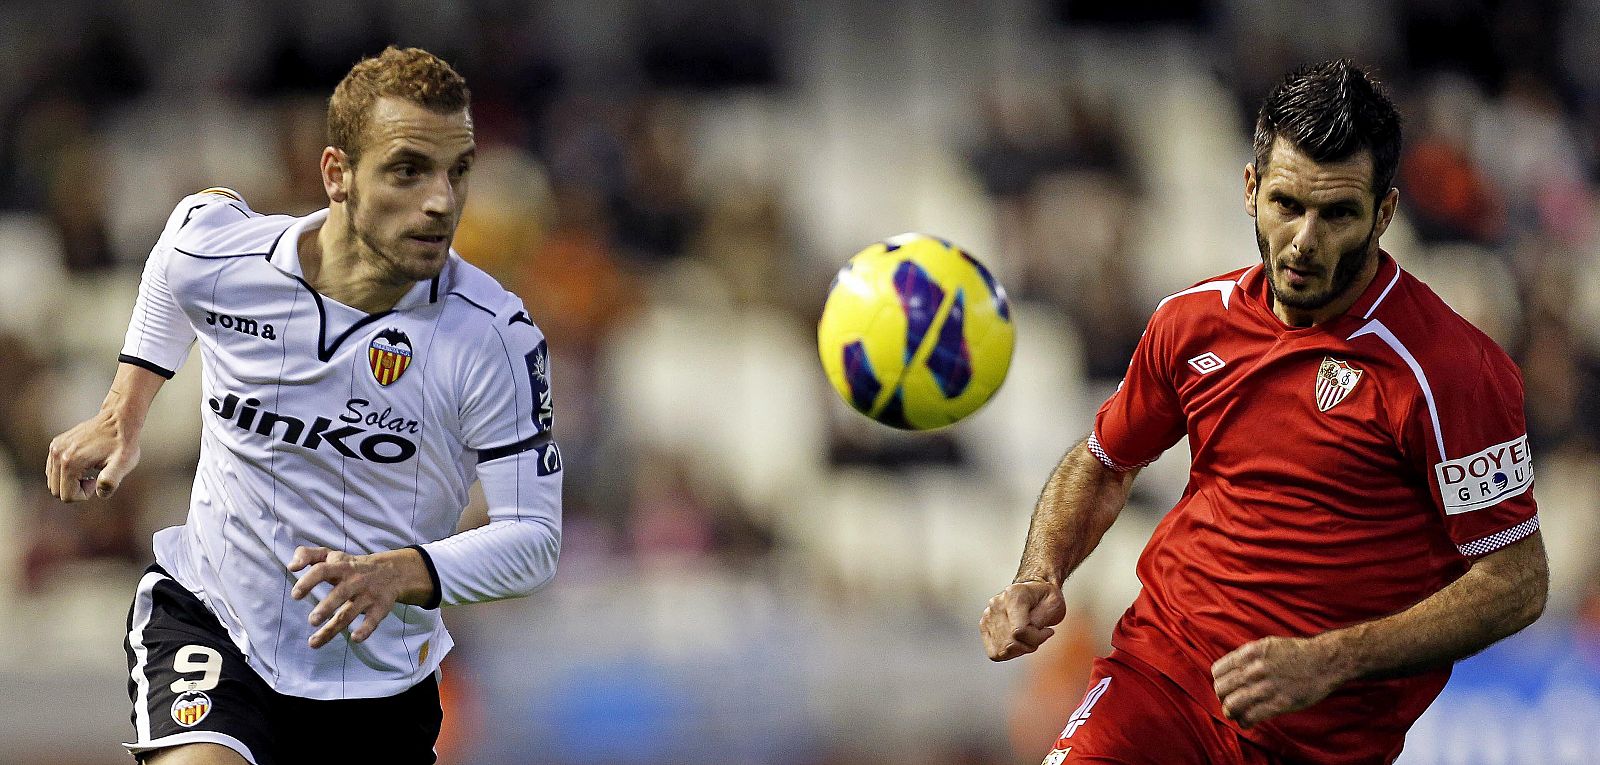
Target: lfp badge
<point>389,354</point>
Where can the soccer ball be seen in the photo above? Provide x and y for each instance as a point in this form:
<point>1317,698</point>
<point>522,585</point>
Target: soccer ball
<point>916,333</point>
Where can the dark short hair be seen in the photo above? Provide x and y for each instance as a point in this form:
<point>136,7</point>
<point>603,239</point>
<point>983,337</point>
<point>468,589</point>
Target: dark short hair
<point>1331,111</point>
<point>411,74</point>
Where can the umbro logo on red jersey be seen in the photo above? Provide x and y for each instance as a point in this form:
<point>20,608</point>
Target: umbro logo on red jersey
<point>1207,362</point>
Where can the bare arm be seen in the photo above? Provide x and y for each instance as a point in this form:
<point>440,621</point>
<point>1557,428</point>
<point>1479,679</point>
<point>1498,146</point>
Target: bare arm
<point>1080,501</point>
<point>1502,593</point>
<point>95,455</point>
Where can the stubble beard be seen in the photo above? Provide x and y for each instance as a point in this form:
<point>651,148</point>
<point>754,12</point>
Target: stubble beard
<point>1344,273</point>
<point>391,269</point>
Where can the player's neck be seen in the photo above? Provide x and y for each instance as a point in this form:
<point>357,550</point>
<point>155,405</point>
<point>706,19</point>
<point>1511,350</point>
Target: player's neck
<point>332,265</point>
<point>1296,317</point>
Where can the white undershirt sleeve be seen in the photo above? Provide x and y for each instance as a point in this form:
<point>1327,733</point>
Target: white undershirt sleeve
<point>516,552</point>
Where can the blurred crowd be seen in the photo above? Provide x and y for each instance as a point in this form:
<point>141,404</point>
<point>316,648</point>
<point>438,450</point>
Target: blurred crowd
<point>654,181</point>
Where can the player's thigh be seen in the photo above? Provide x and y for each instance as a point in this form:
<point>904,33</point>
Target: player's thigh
<point>195,754</point>
<point>188,683</point>
<point>1128,719</point>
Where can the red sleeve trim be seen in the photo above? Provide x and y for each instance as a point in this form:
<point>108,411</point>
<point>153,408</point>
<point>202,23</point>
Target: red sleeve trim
<point>1099,453</point>
<point>1500,539</point>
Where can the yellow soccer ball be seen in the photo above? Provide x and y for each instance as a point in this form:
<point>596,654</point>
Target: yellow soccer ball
<point>916,333</point>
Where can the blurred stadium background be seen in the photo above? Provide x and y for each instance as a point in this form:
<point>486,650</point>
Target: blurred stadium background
<point>751,573</point>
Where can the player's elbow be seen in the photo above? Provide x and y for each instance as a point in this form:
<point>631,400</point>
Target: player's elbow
<point>1535,596</point>
<point>540,555</point>
<point>1530,593</point>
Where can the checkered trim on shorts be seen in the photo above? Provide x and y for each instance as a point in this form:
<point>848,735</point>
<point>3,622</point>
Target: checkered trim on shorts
<point>1500,539</point>
<point>1100,454</point>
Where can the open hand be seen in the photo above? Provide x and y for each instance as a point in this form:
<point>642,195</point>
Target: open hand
<point>363,585</point>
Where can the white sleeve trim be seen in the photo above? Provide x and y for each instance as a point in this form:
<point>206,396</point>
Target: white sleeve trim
<point>1225,288</point>
<point>1099,453</point>
<point>1500,539</point>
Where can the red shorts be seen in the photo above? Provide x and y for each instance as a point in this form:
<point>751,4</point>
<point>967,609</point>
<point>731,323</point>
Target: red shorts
<point>1133,715</point>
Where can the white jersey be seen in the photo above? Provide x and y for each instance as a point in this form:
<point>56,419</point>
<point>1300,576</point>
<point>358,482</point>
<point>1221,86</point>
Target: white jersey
<point>328,426</point>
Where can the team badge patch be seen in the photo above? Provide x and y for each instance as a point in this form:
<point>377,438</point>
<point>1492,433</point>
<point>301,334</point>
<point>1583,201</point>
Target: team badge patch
<point>190,708</point>
<point>1335,380</point>
<point>538,361</point>
<point>389,354</point>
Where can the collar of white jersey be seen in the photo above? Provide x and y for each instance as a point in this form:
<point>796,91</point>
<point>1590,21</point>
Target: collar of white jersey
<point>285,256</point>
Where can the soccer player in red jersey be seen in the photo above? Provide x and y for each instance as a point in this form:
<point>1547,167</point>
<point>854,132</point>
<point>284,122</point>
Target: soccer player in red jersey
<point>1359,513</point>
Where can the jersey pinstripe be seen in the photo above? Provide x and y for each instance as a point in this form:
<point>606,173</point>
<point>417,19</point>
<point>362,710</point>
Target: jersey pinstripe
<point>327,426</point>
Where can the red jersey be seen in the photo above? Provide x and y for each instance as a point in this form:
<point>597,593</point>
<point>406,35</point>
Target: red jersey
<point>1339,473</point>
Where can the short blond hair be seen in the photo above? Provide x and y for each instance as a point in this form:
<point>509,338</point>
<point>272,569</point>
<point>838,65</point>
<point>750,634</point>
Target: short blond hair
<point>411,74</point>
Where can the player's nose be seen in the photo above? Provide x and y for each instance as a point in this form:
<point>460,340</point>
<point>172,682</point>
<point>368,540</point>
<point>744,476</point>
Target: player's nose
<point>1305,236</point>
<point>440,199</point>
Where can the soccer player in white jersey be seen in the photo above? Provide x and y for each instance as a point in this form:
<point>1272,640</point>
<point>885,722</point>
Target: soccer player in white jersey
<point>358,376</point>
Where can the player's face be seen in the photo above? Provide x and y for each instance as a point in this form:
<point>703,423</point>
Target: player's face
<point>409,186</point>
<point>1317,227</point>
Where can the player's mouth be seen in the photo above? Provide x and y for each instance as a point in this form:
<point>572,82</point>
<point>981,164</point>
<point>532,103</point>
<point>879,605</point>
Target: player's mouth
<point>1298,277</point>
<point>431,240</point>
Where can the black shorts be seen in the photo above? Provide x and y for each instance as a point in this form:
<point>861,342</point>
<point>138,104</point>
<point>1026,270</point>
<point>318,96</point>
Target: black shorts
<point>190,684</point>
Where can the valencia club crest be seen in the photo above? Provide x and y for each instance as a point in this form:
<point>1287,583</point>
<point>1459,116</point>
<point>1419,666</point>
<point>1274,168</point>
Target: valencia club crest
<point>389,354</point>
<point>190,708</point>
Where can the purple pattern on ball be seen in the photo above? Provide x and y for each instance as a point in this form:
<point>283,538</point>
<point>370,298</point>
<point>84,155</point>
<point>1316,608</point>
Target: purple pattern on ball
<point>919,299</point>
<point>858,374</point>
<point>951,360</point>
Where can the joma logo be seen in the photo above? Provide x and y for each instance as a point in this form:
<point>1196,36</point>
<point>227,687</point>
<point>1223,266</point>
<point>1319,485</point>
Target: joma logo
<point>241,324</point>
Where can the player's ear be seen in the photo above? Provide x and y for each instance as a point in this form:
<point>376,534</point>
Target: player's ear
<point>1250,182</point>
<point>336,172</point>
<point>1386,210</point>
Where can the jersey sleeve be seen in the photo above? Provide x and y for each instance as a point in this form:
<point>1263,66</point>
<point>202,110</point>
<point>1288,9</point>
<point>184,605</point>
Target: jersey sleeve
<point>506,417</point>
<point>1142,418</point>
<point>159,333</point>
<point>1468,434</point>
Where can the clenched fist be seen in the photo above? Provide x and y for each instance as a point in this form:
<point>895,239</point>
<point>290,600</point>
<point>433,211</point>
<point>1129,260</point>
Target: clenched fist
<point>1020,618</point>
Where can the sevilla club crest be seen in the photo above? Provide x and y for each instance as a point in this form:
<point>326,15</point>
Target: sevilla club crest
<point>1335,380</point>
<point>389,354</point>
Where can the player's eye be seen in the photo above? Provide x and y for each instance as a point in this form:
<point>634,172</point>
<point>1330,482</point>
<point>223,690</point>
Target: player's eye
<point>461,169</point>
<point>1287,206</point>
<point>406,171</point>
